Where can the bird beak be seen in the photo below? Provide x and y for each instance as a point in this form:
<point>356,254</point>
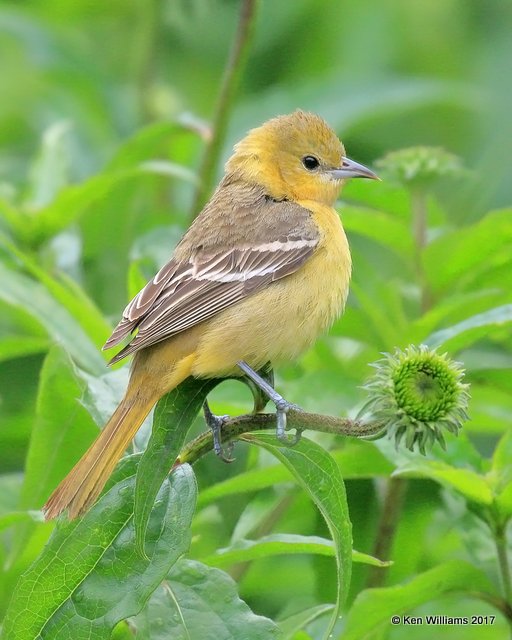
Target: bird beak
<point>352,169</point>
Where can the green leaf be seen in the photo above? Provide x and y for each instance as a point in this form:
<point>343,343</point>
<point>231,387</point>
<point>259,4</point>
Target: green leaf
<point>89,576</point>
<point>152,141</point>
<point>74,201</point>
<point>379,226</point>
<point>501,475</point>
<point>464,333</point>
<point>173,417</point>
<point>471,485</point>
<point>35,299</point>
<point>63,428</point>
<point>21,345</point>
<point>373,608</point>
<point>355,459</point>
<point>366,558</point>
<point>49,172</point>
<point>14,517</point>
<point>479,247</point>
<point>198,602</point>
<point>386,326</point>
<point>67,293</point>
<point>278,544</point>
<point>319,475</point>
<point>291,625</point>
<point>453,309</point>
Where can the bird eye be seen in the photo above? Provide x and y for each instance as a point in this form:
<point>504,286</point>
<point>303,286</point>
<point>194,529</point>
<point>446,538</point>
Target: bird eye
<point>310,162</point>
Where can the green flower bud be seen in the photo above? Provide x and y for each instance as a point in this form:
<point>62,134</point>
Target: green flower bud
<point>417,394</point>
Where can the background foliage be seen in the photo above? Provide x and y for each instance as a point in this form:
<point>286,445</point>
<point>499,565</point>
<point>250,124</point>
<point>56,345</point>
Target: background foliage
<point>104,118</point>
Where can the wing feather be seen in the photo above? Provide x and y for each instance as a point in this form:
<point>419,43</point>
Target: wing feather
<point>185,293</point>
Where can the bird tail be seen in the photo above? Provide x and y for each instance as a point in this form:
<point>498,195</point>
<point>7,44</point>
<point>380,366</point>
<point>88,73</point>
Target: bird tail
<point>84,482</point>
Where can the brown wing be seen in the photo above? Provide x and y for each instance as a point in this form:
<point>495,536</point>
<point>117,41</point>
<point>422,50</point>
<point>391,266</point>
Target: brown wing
<point>188,291</point>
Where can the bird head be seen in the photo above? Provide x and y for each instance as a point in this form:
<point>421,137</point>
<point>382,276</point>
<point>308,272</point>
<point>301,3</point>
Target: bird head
<point>297,157</point>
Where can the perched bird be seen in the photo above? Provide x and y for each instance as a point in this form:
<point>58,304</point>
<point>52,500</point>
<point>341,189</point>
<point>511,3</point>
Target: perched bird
<point>261,272</point>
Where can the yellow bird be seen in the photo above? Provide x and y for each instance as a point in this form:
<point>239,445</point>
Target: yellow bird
<point>261,272</point>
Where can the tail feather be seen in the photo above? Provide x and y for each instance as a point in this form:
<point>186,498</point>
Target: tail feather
<point>83,484</point>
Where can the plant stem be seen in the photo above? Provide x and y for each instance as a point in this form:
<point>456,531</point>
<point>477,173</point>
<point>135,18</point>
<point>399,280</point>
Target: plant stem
<point>419,229</point>
<point>495,601</point>
<point>230,82</point>
<point>237,427</point>
<point>396,489</point>
<point>144,49</point>
<point>266,526</point>
<point>500,539</point>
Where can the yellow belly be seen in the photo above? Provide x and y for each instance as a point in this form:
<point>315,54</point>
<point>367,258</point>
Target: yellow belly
<point>283,320</point>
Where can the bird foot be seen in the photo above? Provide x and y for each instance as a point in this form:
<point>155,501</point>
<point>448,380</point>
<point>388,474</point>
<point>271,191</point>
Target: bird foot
<point>215,423</point>
<point>282,405</point>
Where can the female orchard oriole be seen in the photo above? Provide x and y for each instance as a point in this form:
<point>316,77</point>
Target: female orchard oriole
<point>260,273</point>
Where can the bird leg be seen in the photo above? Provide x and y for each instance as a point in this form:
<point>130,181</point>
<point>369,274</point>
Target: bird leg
<point>215,423</point>
<point>282,405</point>
<point>260,398</point>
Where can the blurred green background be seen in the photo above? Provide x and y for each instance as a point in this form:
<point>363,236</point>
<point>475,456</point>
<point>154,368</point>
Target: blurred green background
<point>104,113</point>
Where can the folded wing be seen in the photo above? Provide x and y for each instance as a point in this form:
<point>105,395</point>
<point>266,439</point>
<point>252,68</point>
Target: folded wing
<point>183,294</point>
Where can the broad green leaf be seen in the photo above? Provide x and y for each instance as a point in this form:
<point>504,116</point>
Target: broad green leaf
<point>35,299</point>
<point>384,325</point>
<point>465,333</point>
<point>452,310</point>
<point>75,200</point>
<point>470,249</point>
<point>355,460</point>
<point>172,419</point>
<point>491,408</point>
<point>152,141</point>
<point>89,576</point>
<point>471,485</point>
<point>9,519</point>
<point>379,226</point>
<point>63,428</point>
<point>198,602</point>
<point>502,457</point>
<point>278,544</point>
<point>388,197</point>
<point>49,171</point>
<point>17,220</point>
<point>504,502</point>
<point>21,345</point>
<point>67,293</point>
<point>501,474</point>
<point>291,625</point>
<point>373,608</point>
<point>253,480</point>
<point>319,475</point>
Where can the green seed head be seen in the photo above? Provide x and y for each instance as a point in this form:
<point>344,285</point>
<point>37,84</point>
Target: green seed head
<point>417,394</point>
<point>419,166</point>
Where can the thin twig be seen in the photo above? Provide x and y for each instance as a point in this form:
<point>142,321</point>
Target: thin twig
<point>396,489</point>
<point>230,82</point>
<point>237,427</point>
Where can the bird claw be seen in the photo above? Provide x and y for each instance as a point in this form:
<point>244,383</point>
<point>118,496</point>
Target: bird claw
<point>282,405</point>
<point>282,408</point>
<point>215,423</point>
